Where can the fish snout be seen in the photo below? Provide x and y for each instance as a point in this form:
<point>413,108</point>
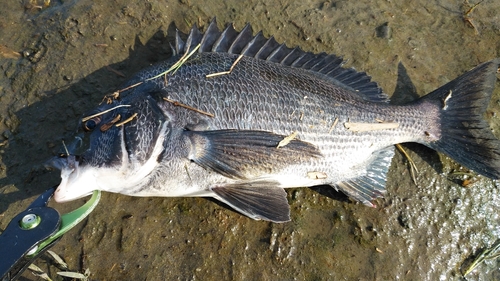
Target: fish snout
<point>62,162</point>
<point>75,183</point>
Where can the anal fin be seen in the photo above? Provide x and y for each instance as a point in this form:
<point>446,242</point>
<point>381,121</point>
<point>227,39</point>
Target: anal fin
<point>259,200</point>
<point>372,184</point>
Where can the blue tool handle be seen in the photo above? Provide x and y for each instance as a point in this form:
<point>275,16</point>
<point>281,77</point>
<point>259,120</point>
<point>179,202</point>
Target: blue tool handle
<point>25,232</point>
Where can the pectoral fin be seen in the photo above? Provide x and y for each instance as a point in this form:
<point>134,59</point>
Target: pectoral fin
<point>242,154</point>
<point>260,200</point>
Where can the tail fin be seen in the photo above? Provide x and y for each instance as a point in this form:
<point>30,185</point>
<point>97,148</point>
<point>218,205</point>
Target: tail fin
<point>465,135</point>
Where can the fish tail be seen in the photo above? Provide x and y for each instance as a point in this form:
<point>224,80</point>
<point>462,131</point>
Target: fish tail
<point>464,133</point>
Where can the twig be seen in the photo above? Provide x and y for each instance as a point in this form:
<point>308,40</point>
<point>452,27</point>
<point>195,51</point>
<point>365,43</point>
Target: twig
<point>468,19</point>
<point>107,126</point>
<point>115,71</point>
<point>176,103</point>
<point>116,94</point>
<point>126,120</point>
<point>130,87</point>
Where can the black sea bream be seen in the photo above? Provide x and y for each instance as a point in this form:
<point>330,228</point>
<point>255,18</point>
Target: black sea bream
<point>270,118</point>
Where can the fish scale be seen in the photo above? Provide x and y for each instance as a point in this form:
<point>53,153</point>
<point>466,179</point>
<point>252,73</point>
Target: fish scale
<point>277,108</point>
<point>247,153</point>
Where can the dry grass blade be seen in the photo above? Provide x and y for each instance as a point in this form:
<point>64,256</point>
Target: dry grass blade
<point>315,175</point>
<point>176,103</point>
<point>104,112</point>
<point>178,64</point>
<point>187,171</point>
<point>491,253</point>
<point>333,125</point>
<point>366,127</point>
<point>226,72</point>
<point>39,272</point>
<point>463,174</point>
<point>8,53</point>
<point>413,167</point>
<point>58,259</point>
<point>65,148</point>
<point>173,68</point>
<point>75,275</point>
<point>445,105</point>
<point>287,139</point>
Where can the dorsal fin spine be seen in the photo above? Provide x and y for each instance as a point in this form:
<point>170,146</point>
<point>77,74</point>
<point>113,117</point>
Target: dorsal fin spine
<point>275,55</point>
<point>241,40</point>
<point>209,37</point>
<point>231,41</point>
<point>179,43</point>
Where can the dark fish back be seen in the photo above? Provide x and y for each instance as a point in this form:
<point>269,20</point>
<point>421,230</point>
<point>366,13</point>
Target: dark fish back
<point>324,66</point>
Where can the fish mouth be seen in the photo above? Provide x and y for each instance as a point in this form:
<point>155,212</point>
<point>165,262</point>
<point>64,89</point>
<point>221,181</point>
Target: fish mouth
<point>80,175</point>
<point>76,182</point>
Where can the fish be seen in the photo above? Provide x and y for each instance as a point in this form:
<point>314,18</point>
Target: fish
<point>239,117</point>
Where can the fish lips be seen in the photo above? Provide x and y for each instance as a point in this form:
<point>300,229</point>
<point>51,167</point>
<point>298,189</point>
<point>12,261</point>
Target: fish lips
<point>76,182</point>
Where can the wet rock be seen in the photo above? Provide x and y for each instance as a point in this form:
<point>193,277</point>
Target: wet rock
<point>384,31</point>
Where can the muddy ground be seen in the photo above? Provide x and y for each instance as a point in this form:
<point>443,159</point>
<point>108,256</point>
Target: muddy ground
<point>72,53</point>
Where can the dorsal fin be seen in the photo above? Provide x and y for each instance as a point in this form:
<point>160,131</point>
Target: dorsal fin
<point>324,66</point>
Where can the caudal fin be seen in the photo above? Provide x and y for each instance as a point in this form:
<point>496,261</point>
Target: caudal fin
<point>465,135</point>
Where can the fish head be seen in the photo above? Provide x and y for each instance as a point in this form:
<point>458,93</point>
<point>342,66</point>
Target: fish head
<point>121,137</point>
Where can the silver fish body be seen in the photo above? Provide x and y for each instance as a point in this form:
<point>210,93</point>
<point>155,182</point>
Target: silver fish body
<point>281,118</point>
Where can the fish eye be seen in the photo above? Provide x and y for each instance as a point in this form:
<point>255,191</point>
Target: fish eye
<point>90,124</point>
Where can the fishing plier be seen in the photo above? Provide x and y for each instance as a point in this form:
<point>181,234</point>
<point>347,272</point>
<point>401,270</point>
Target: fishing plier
<point>35,230</point>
